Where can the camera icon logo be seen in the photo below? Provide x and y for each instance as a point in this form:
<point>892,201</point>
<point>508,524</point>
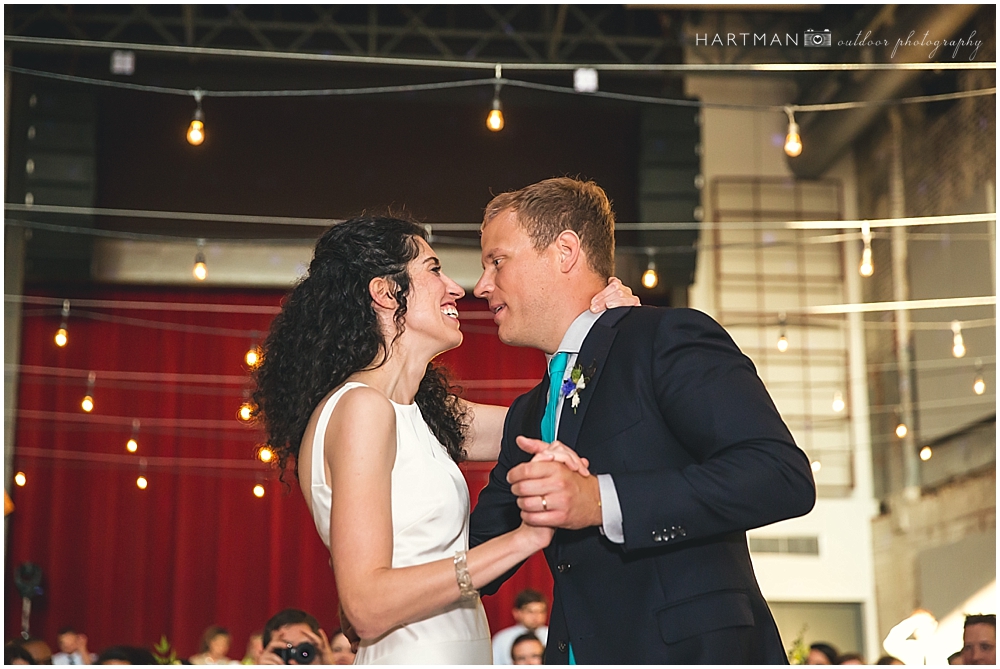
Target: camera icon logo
<point>817,38</point>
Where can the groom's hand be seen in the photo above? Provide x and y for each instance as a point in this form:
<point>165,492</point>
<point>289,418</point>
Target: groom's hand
<point>551,495</point>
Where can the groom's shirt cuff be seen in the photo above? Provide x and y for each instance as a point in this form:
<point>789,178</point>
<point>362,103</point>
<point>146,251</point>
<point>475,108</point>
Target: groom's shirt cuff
<point>611,510</point>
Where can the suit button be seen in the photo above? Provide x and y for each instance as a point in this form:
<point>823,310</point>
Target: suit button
<point>563,647</point>
<point>657,537</point>
<point>681,531</point>
<point>564,567</point>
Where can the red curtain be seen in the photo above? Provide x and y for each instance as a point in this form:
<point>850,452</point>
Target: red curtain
<point>196,547</point>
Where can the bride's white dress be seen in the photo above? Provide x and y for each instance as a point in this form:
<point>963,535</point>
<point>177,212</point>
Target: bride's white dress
<point>430,521</point>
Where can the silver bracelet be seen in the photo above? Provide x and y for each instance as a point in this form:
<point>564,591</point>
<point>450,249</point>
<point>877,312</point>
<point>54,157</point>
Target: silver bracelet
<point>463,577</point>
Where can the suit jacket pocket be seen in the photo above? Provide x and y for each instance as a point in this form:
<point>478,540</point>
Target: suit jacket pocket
<point>707,613</point>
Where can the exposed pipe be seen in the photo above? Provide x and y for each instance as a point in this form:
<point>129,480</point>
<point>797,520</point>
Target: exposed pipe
<point>826,136</point>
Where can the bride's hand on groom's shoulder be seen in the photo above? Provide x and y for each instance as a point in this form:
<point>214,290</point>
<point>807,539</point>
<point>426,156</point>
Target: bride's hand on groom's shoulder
<point>615,294</point>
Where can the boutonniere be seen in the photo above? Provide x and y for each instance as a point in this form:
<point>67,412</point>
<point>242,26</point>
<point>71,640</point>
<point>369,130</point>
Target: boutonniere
<point>572,386</point>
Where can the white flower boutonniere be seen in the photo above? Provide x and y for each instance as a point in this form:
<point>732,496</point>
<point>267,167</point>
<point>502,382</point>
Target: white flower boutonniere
<point>572,386</point>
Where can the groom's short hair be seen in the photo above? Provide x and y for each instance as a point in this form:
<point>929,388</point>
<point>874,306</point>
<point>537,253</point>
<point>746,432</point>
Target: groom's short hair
<point>546,208</point>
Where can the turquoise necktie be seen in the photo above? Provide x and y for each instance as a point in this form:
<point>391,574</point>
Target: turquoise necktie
<point>557,368</point>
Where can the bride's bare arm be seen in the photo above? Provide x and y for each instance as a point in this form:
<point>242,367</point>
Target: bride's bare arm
<point>482,443</point>
<point>360,448</point>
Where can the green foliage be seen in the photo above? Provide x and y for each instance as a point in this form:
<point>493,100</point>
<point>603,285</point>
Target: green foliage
<point>163,653</point>
<point>799,651</point>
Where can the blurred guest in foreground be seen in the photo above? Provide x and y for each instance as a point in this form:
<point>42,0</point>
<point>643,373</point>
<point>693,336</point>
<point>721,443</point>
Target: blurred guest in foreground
<point>341,648</point>
<point>850,658</point>
<point>73,648</point>
<point>39,650</point>
<point>254,648</point>
<point>14,653</point>
<point>980,639</point>
<point>889,659</point>
<point>214,647</point>
<point>527,649</point>
<point>821,653</point>
<point>126,655</point>
<point>530,612</point>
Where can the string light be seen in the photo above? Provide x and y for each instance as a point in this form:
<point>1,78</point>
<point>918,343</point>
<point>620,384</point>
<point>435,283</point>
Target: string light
<point>495,119</point>
<point>793,142</point>
<point>901,430</point>
<point>253,353</point>
<point>782,339</point>
<point>141,482</point>
<point>979,385</point>
<point>200,270</point>
<point>650,278</point>
<point>133,444</point>
<point>196,131</point>
<point>258,490</point>
<point>62,334</point>
<point>245,412</point>
<point>926,453</point>
<point>87,404</point>
<point>957,342</point>
<point>866,268</point>
<point>816,466</point>
<point>20,479</point>
<point>838,402</point>
<point>265,454</point>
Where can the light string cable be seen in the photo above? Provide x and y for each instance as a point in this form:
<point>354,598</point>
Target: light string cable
<point>443,63</point>
<point>494,82</point>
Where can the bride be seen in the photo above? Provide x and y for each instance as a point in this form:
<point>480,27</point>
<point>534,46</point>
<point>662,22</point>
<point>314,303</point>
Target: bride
<point>348,396</point>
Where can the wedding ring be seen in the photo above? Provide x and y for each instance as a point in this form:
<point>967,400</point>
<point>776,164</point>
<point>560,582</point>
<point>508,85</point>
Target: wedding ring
<point>545,505</point>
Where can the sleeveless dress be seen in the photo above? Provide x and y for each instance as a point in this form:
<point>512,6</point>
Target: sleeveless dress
<point>430,521</point>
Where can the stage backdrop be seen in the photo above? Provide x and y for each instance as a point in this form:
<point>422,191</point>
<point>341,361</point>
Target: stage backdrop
<point>196,547</point>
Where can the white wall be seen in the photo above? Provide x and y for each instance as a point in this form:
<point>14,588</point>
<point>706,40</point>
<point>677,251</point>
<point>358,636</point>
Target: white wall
<point>751,145</point>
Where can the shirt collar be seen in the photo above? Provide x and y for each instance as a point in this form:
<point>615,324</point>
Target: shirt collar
<point>578,330</point>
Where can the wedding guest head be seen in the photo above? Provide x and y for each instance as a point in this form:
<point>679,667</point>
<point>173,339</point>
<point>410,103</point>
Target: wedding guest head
<point>980,639</point>
<point>290,628</point>
<point>126,655</point>
<point>14,653</point>
<point>254,648</point>
<point>72,647</point>
<point>527,649</point>
<point>821,653</point>
<point>850,658</point>
<point>531,609</point>
<point>39,650</point>
<point>214,647</point>
<point>341,647</point>
<point>374,287</point>
<point>889,659</point>
<point>547,248</point>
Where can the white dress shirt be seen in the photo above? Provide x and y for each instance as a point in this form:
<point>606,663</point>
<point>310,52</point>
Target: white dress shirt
<point>611,510</point>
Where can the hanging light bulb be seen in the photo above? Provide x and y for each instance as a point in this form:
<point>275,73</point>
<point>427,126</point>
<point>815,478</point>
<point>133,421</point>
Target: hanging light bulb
<point>926,453</point>
<point>132,445</point>
<point>200,270</point>
<point>196,131</point>
<point>87,404</point>
<point>253,355</point>
<point>957,342</point>
<point>901,430</point>
<point>838,402</point>
<point>782,339</point>
<point>258,490</point>
<point>979,385</point>
<point>495,119</point>
<point>650,278</point>
<point>793,141</point>
<point>866,268</point>
<point>816,466</point>
<point>20,479</point>
<point>141,482</point>
<point>265,454</point>
<point>62,334</point>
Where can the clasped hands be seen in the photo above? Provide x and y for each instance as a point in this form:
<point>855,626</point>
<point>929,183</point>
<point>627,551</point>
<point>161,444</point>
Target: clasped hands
<point>555,488</point>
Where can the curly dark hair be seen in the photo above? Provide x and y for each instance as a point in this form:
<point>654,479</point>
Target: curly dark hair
<point>328,330</point>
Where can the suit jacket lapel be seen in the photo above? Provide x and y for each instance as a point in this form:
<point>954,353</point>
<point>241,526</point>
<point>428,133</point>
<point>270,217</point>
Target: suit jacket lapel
<point>592,357</point>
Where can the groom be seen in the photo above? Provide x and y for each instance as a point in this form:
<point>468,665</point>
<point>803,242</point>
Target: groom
<point>687,450</point>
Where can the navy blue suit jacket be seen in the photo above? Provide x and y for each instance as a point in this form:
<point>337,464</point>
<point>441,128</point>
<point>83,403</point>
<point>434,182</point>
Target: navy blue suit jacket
<point>699,455</point>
